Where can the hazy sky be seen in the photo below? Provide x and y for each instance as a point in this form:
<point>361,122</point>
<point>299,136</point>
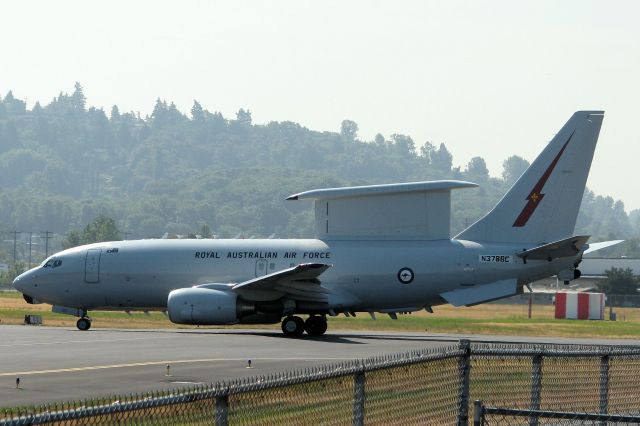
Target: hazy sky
<point>487,78</point>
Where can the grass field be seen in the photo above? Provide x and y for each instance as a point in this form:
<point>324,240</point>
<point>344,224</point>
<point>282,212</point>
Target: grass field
<point>481,319</point>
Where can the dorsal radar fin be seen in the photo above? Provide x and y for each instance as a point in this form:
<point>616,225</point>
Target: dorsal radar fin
<point>416,210</point>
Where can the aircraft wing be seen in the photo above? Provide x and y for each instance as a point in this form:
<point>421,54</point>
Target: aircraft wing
<point>300,282</point>
<point>563,248</point>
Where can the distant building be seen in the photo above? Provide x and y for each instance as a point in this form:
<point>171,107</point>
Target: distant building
<point>595,267</point>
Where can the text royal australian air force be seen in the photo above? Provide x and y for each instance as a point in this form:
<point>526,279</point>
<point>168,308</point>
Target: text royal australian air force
<point>245,254</point>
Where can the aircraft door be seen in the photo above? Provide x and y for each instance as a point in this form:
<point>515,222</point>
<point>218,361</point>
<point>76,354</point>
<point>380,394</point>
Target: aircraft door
<point>262,267</point>
<point>92,266</point>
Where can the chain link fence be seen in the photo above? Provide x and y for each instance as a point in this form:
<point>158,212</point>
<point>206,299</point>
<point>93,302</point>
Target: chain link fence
<point>482,384</point>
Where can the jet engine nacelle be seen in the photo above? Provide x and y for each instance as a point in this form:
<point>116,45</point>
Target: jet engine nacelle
<point>202,306</point>
<point>569,275</point>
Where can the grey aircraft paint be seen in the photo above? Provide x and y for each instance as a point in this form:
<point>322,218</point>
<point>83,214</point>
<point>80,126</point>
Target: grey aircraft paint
<point>381,248</point>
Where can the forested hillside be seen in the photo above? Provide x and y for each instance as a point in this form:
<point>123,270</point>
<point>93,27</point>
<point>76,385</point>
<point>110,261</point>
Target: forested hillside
<point>64,163</point>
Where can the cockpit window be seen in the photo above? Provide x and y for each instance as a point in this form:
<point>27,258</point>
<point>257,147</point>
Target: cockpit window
<point>52,263</point>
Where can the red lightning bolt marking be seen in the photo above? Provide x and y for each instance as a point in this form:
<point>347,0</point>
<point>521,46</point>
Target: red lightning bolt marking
<point>536,196</point>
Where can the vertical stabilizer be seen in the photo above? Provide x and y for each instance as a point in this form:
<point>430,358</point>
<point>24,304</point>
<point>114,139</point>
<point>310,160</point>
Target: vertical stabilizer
<point>542,206</point>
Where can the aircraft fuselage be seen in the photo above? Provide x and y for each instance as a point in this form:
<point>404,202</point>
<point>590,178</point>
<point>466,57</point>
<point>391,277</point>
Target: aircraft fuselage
<point>365,274</point>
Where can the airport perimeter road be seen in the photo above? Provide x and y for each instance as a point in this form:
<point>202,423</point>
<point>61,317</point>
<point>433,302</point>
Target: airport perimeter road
<point>63,364</point>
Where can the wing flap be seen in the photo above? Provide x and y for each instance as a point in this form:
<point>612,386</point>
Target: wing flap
<point>304,272</point>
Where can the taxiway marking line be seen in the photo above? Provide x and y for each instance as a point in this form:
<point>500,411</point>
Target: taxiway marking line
<point>60,342</point>
<point>170,362</point>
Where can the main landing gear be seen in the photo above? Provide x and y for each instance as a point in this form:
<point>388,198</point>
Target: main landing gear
<point>315,325</point>
<point>84,323</point>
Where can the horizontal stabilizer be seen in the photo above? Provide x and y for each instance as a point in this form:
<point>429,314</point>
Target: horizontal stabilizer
<point>482,293</point>
<point>563,248</point>
<point>599,246</point>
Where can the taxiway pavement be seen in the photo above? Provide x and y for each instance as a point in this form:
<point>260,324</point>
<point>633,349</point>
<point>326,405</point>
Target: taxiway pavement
<point>65,364</point>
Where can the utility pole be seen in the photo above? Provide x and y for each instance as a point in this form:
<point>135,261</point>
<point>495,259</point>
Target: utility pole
<point>15,238</point>
<point>47,236</point>
<point>30,235</point>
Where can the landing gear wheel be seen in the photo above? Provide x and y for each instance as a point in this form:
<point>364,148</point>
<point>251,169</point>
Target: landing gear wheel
<point>83,324</point>
<point>315,325</point>
<point>293,326</point>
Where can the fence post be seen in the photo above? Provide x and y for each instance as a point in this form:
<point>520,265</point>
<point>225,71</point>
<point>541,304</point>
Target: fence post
<point>222,410</point>
<point>604,386</point>
<point>358,397</point>
<point>464,368</point>
<point>478,418</point>
<point>536,387</point>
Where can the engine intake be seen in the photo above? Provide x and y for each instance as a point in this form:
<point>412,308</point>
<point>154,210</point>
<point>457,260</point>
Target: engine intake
<point>204,306</point>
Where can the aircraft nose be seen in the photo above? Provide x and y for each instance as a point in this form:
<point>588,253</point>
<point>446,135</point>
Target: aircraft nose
<point>21,281</point>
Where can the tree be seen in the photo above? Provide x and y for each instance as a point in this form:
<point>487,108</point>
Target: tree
<point>442,160</point>
<point>197,113</point>
<point>173,173</point>
<point>404,145</point>
<point>619,281</point>
<point>205,231</point>
<point>14,106</point>
<point>512,168</point>
<point>9,137</point>
<point>78,99</point>
<point>103,228</point>
<point>14,270</point>
<point>426,151</point>
<point>115,113</point>
<point>244,117</point>
<point>159,114</point>
<point>349,130</point>
<point>477,169</point>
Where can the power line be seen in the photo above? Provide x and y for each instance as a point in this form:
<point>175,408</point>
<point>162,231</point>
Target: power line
<point>47,236</point>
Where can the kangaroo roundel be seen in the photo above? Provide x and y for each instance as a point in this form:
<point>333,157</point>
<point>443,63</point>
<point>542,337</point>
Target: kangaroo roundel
<point>405,275</point>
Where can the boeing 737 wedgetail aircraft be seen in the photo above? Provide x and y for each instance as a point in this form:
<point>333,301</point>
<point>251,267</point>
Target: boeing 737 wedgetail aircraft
<point>380,248</point>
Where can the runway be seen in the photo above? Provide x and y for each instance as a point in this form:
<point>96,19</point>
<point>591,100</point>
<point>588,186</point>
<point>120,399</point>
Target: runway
<point>65,364</point>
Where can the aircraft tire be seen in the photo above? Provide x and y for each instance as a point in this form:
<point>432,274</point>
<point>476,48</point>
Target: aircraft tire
<point>83,324</point>
<point>315,325</point>
<point>293,326</point>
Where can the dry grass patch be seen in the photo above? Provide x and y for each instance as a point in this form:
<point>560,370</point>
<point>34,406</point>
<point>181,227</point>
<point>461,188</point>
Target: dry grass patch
<point>482,319</point>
